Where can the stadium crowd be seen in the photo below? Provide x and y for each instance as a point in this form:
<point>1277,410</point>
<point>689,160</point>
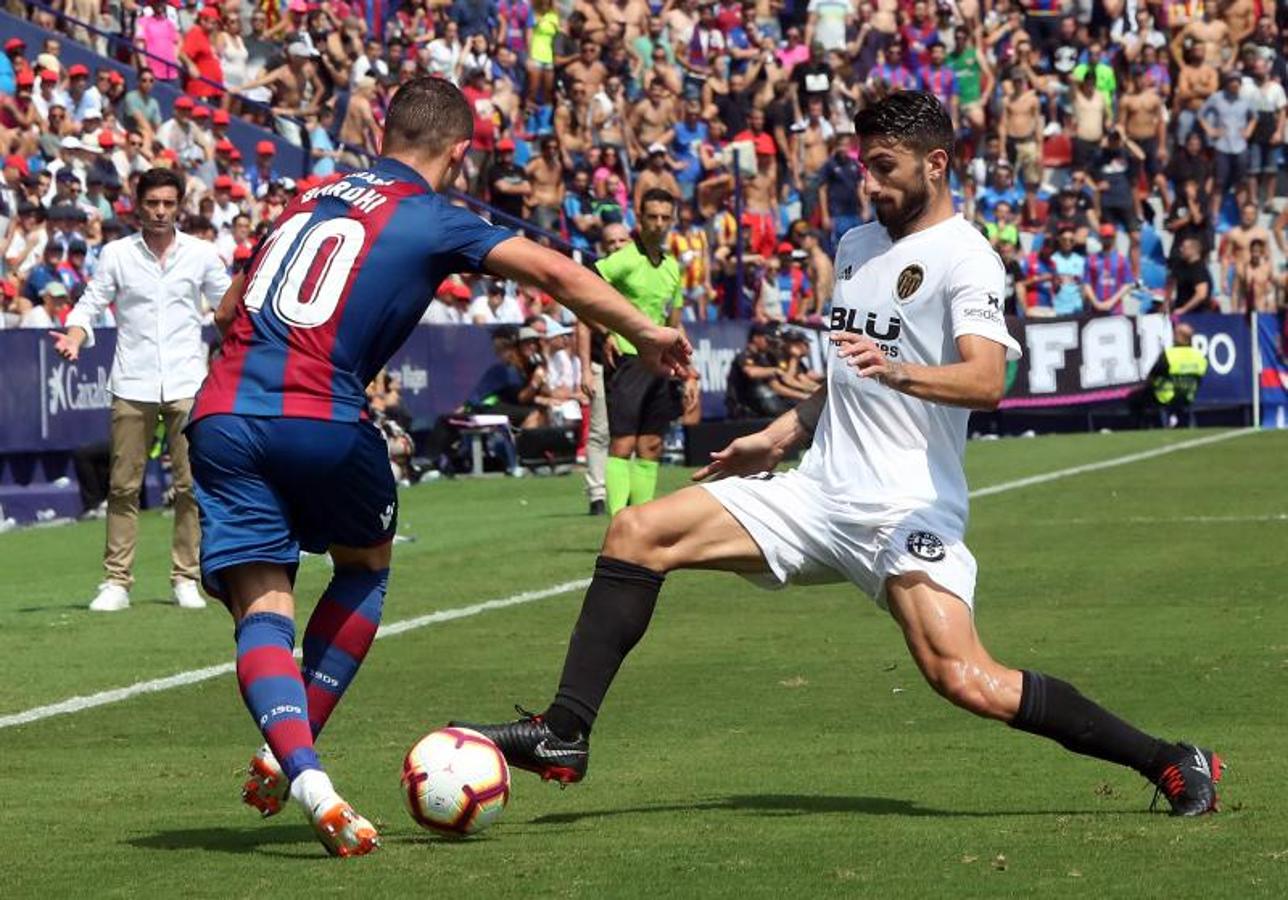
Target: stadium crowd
<point>1122,155</point>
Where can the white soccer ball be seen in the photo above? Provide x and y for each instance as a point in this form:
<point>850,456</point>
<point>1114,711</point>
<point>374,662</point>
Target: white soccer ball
<point>455,781</point>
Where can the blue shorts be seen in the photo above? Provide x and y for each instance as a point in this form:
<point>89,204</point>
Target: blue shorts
<point>269,488</point>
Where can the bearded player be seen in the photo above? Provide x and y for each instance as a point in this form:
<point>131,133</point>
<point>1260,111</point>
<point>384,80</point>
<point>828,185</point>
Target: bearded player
<point>283,452</point>
<point>880,497</point>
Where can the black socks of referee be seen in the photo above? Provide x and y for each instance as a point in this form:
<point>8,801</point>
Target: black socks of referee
<point>1054,709</point>
<point>614,616</point>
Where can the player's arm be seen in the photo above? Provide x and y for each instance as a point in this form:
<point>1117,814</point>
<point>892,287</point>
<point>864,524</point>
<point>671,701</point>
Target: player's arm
<point>977,382</point>
<point>590,297</point>
<point>760,452</point>
<point>227,310</point>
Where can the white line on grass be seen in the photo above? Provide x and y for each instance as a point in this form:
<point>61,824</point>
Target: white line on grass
<point>1108,463</point>
<point>103,698</point>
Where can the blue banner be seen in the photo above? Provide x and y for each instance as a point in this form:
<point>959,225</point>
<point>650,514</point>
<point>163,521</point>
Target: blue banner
<point>49,404</point>
<point>1274,371</point>
<point>1226,340</point>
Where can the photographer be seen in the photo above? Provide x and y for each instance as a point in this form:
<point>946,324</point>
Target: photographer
<point>509,387</point>
<point>755,387</point>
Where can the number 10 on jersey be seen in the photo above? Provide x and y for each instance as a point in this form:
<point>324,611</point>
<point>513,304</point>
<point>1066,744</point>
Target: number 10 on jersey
<point>303,272</point>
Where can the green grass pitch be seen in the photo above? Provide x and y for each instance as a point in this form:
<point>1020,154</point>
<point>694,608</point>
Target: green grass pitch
<point>756,744</point>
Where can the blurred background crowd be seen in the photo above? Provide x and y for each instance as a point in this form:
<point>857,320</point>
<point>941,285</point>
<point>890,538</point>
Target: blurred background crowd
<point>1122,155</point>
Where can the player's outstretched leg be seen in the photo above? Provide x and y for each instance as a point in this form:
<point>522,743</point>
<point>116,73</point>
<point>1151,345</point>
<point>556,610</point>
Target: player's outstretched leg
<point>940,633</point>
<point>336,641</point>
<point>274,693</point>
<point>340,633</point>
<point>688,529</point>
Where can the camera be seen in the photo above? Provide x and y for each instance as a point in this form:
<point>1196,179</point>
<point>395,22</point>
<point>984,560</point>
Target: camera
<point>536,360</point>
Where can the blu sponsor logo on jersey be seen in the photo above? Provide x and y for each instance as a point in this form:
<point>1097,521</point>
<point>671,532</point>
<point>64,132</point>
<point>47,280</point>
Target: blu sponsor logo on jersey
<point>884,333</point>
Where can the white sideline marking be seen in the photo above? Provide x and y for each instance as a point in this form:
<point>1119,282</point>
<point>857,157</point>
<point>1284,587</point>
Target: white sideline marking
<point>103,698</point>
<point>1108,463</point>
<point>1164,520</point>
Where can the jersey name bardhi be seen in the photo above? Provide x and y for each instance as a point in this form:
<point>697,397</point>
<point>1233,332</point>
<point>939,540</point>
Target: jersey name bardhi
<point>914,297</point>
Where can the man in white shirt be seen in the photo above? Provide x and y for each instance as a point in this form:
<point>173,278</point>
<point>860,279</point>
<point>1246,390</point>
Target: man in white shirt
<point>880,497</point>
<point>157,279</point>
<point>496,307</point>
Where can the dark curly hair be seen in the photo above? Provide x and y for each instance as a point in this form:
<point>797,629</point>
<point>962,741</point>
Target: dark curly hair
<point>914,118</point>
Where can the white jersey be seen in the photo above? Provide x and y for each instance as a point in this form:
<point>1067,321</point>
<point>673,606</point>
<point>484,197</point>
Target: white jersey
<point>914,297</point>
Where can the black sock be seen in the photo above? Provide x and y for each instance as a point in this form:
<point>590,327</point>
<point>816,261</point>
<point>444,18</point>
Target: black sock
<point>1054,709</point>
<point>614,616</point>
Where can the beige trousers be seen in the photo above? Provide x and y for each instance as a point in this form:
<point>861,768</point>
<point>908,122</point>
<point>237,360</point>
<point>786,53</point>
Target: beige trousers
<point>133,430</point>
<point>597,441</point>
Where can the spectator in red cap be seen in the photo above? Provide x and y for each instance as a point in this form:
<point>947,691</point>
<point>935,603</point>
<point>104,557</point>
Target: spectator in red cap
<point>83,98</point>
<point>12,64</point>
<point>263,172</point>
<point>225,208</point>
<point>157,34</point>
<point>179,132</point>
<point>198,56</point>
<point>21,113</point>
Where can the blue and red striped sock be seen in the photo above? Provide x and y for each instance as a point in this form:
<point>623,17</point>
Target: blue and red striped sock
<point>273,690</point>
<point>338,635</point>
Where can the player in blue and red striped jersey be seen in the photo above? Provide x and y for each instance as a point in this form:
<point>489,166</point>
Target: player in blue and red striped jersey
<point>283,455</point>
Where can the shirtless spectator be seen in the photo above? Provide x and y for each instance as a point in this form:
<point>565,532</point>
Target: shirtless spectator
<point>1237,245</point>
<point>1197,80</point>
<point>1020,129</point>
<point>1213,36</point>
<point>587,68</point>
<point>573,125</point>
<point>651,120</point>
<point>818,265</point>
<point>546,174</point>
<point>658,173</point>
<point>1254,282</point>
<point>360,127</point>
<point>1090,118</point>
<point>1240,18</point>
<point>760,200</point>
<point>810,139</point>
<point>1142,115</point>
<point>295,86</point>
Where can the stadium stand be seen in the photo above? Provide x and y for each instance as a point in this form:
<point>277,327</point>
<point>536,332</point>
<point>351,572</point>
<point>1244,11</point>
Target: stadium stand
<point>743,108</point>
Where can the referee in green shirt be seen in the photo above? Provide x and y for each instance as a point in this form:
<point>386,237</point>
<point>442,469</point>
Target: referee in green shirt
<point>641,405</point>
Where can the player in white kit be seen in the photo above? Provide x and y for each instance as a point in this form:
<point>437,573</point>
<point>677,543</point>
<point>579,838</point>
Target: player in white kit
<point>879,499</point>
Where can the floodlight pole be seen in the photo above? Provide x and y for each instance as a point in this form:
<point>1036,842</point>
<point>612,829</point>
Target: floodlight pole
<point>737,243</point>
<point>1256,369</point>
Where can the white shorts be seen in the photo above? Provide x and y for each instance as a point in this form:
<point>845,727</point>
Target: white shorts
<point>810,538</point>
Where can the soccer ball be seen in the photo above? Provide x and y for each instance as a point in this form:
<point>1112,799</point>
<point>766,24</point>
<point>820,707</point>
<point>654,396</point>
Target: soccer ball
<point>455,781</point>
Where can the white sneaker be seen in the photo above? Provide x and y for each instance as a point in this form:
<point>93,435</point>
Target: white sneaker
<point>187,596</point>
<point>111,598</point>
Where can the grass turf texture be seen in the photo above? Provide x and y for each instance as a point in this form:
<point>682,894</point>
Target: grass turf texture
<point>756,743</point>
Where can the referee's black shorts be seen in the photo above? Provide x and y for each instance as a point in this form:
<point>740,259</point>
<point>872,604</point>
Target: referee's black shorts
<point>640,402</point>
